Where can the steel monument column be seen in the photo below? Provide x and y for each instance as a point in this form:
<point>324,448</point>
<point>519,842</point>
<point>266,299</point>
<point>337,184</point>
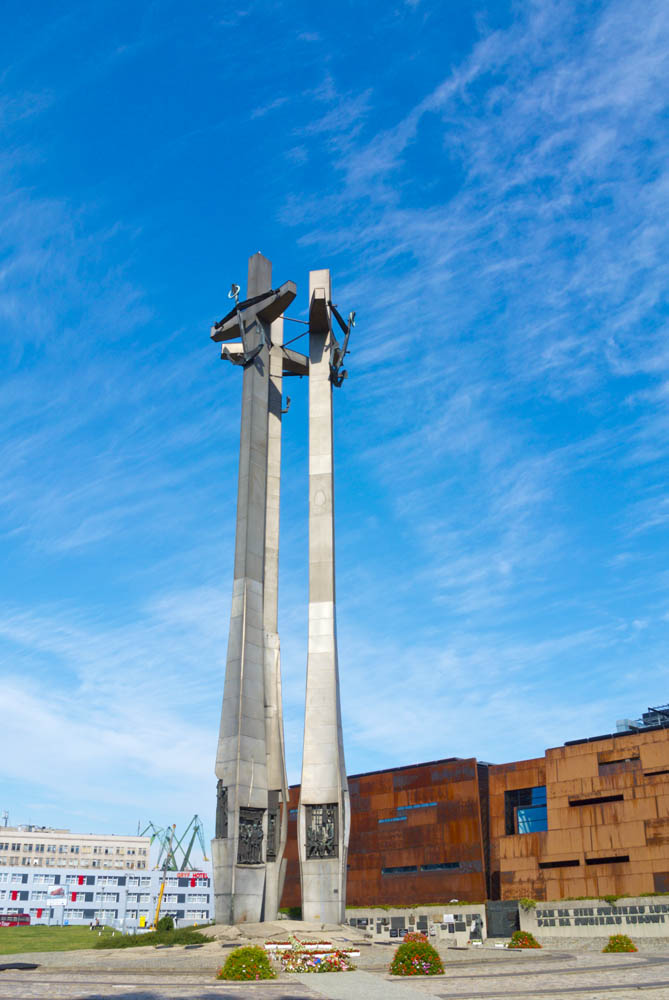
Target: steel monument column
<point>323,813</point>
<point>251,788</point>
<point>277,798</point>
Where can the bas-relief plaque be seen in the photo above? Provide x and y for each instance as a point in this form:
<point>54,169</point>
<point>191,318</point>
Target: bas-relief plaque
<point>249,847</point>
<point>272,823</point>
<point>322,831</point>
<point>221,811</point>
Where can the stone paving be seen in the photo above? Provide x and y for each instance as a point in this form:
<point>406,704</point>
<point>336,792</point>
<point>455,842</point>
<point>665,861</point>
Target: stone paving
<point>488,974</point>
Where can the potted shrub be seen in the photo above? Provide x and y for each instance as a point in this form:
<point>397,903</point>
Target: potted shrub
<point>248,962</point>
<point>523,939</point>
<point>620,942</point>
<point>416,958</point>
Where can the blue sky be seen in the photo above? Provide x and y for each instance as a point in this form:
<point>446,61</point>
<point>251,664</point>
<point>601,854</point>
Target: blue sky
<point>488,184</point>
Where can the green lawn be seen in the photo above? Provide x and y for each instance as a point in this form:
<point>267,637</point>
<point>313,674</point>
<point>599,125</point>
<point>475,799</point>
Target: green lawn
<point>41,938</point>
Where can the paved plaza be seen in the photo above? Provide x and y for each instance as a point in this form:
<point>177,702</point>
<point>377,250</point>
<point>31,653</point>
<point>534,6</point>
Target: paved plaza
<point>487,974</point>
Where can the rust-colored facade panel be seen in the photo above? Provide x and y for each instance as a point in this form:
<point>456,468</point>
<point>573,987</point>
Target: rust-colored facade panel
<point>587,819</point>
<point>416,836</point>
<point>605,831</point>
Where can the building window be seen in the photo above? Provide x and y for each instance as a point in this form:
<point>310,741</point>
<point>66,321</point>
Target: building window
<point>442,866</point>
<point>400,870</point>
<point>525,810</point>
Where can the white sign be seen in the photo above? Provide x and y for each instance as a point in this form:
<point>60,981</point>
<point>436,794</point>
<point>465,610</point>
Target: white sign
<point>448,918</point>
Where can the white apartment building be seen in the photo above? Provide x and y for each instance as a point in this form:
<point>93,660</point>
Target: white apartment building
<point>56,876</point>
<point>123,899</point>
<point>42,846</point>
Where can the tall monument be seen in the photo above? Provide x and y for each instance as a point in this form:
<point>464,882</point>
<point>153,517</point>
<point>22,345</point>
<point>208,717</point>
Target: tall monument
<point>251,819</point>
<point>323,812</point>
<point>252,794</point>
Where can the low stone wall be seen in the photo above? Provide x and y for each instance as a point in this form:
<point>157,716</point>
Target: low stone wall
<point>450,923</point>
<point>639,917</point>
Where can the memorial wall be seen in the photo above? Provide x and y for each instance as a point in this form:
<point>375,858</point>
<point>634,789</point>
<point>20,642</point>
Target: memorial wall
<point>639,917</point>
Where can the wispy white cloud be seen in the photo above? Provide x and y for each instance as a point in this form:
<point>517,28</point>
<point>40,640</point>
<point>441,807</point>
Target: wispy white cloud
<point>501,443</point>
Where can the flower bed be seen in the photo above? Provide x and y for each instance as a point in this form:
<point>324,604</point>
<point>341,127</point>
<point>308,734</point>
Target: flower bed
<point>272,946</point>
<point>300,960</point>
<point>523,939</point>
<point>249,962</point>
<point>311,956</point>
<point>416,958</point>
<point>620,942</point>
<point>414,936</point>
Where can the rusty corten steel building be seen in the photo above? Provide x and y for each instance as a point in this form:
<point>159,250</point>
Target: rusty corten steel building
<point>417,835</point>
<point>606,829</point>
<point>590,818</point>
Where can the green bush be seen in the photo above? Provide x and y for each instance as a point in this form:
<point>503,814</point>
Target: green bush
<point>293,912</point>
<point>611,900</point>
<point>620,942</point>
<point>528,904</point>
<point>184,936</point>
<point>416,958</point>
<point>249,962</point>
<point>523,939</point>
<point>165,923</point>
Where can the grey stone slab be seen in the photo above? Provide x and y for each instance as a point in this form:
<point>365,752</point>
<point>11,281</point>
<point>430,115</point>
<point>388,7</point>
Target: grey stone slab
<point>358,985</point>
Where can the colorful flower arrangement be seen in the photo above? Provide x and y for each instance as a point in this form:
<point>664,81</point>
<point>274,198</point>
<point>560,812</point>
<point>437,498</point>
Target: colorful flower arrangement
<point>249,962</point>
<point>416,958</point>
<point>523,939</point>
<point>299,960</point>
<point>620,942</point>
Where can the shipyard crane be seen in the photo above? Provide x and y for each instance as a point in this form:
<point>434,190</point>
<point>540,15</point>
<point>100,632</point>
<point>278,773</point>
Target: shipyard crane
<point>176,850</point>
